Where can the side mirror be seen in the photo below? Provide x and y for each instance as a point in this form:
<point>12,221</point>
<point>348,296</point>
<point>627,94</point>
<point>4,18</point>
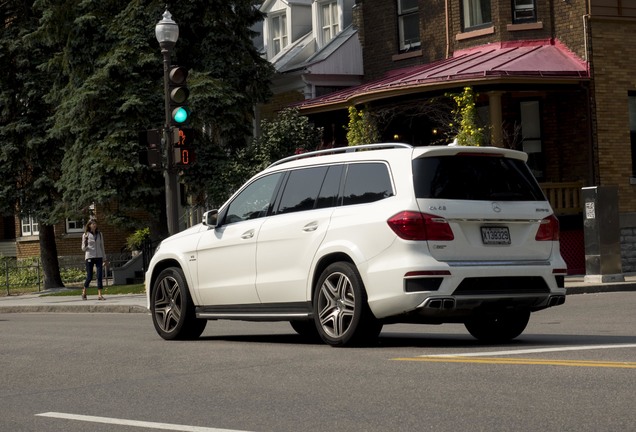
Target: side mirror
<point>210,218</point>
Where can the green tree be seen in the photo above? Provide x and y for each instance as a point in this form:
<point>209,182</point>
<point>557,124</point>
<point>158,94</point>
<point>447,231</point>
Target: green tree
<point>81,79</point>
<point>113,67</point>
<point>287,134</point>
<point>29,159</point>
<point>362,127</point>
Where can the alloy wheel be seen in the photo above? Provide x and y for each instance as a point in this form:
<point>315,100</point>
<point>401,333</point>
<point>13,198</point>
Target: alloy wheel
<point>168,304</point>
<point>336,304</point>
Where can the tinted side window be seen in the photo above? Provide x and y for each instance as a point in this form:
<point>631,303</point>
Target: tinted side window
<point>301,190</point>
<point>475,178</point>
<point>367,182</point>
<point>254,201</point>
<point>328,196</point>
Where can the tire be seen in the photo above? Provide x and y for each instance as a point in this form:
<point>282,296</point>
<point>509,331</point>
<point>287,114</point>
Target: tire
<point>498,327</point>
<point>306,329</point>
<point>341,311</point>
<point>172,309</point>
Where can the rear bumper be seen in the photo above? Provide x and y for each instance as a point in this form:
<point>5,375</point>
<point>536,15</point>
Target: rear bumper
<point>454,292</point>
<point>457,309</point>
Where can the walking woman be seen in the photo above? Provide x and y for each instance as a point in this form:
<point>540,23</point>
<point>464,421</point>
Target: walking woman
<point>93,246</point>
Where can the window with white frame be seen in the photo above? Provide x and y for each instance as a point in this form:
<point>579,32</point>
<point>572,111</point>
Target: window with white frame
<point>524,11</point>
<point>329,21</point>
<point>476,13</point>
<point>30,226</point>
<point>74,226</point>
<point>278,32</point>
<point>408,24</point>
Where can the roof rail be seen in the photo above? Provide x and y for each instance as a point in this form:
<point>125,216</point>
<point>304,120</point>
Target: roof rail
<point>348,149</point>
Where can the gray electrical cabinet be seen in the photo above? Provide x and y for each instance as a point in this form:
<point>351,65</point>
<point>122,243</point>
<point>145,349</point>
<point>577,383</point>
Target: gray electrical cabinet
<point>602,234</point>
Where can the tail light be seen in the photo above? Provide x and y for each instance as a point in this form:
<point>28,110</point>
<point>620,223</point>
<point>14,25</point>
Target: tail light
<point>410,225</point>
<point>548,229</point>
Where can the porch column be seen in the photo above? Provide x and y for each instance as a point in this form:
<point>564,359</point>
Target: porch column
<point>496,120</point>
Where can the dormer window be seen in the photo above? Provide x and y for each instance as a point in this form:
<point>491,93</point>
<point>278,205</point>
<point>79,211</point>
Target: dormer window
<point>278,33</point>
<point>329,21</point>
<point>408,24</point>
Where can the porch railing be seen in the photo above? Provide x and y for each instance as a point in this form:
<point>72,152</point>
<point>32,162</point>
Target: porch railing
<point>565,198</point>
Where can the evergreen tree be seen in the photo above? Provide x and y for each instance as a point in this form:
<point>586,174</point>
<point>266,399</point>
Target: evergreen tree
<point>113,87</point>
<point>29,159</point>
<point>81,79</point>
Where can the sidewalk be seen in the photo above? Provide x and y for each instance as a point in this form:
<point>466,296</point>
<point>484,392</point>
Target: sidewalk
<point>41,302</point>
<point>136,303</point>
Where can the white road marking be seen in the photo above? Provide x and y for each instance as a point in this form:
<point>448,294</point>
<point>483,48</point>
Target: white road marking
<point>532,351</point>
<point>135,423</point>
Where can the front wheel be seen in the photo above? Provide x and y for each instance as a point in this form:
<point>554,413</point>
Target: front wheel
<point>341,311</point>
<point>172,309</point>
<point>306,329</point>
<point>498,326</point>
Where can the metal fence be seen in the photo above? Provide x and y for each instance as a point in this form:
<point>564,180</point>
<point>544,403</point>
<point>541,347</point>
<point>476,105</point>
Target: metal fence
<point>28,276</point>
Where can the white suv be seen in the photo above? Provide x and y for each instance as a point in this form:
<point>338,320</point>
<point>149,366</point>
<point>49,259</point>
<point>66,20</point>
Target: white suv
<point>340,242</point>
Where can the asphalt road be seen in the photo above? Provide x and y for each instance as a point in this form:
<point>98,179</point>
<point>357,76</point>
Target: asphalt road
<point>574,369</point>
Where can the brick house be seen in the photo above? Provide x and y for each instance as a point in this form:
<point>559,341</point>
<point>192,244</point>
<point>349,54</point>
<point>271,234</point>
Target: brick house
<point>21,238</point>
<point>555,79</point>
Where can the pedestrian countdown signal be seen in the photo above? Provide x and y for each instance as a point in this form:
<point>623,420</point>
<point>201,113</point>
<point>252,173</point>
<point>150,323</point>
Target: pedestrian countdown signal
<point>183,151</point>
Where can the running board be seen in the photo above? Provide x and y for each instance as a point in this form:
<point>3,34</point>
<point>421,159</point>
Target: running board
<point>257,312</point>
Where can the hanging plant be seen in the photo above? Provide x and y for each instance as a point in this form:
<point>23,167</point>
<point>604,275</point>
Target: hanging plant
<point>466,119</point>
<point>362,128</point>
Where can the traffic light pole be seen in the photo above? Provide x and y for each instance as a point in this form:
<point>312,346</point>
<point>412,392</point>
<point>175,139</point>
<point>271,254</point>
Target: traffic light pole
<point>170,174</point>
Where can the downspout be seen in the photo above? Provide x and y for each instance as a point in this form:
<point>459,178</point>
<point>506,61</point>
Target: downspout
<point>593,148</point>
<point>447,29</point>
<point>586,58</point>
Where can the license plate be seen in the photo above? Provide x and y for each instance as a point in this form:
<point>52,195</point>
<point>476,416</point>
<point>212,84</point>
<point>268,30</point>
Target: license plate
<point>495,235</point>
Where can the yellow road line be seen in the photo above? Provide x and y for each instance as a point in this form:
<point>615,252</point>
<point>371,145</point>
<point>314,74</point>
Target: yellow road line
<point>521,361</point>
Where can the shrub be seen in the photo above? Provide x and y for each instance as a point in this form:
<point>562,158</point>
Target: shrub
<point>136,240</point>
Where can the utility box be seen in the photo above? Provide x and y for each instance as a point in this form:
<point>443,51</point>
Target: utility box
<point>602,234</point>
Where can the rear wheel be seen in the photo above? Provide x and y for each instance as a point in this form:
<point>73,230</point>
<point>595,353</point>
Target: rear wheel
<point>498,326</point>
<point>172,309</point>
<point>341,311</point>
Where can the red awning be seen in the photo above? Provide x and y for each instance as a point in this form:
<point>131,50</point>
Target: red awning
<point>511,62</point>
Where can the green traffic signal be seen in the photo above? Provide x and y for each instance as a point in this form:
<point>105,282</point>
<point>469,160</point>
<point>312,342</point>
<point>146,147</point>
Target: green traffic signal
<point>179,95</point>
<point>180,115</point>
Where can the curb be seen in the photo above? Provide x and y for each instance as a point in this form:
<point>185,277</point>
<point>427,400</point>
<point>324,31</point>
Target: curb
<point>597,289</point>
<point>74,309</point>
<point>581,288</point>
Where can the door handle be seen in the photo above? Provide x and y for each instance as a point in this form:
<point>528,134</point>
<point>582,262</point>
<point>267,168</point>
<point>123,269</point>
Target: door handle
<point>311,226</point>
<point>247,235</point>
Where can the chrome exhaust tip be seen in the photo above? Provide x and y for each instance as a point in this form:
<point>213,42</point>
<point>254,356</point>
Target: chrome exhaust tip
<point>556,300</point>
<point>440,303</point>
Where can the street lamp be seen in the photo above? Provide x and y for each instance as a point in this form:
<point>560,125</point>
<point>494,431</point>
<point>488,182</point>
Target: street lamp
<point>167,33</point>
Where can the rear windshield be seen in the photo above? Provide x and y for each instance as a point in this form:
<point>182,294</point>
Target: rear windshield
<point>473,177</point>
